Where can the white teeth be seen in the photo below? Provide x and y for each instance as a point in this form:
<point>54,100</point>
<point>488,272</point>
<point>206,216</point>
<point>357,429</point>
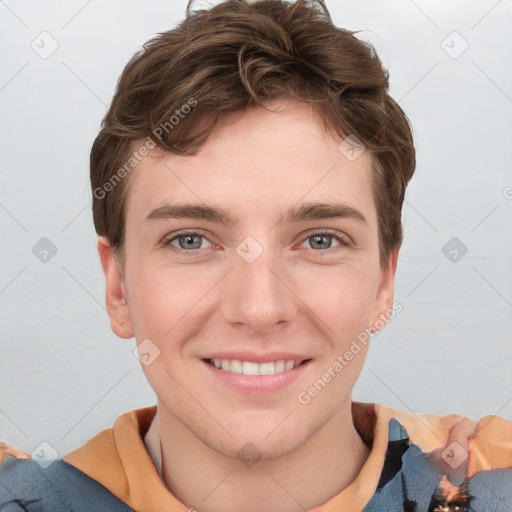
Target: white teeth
<point>249,368</point>
<point>252,368</point>
<point>279,366</point>
<point>267,368</point>
<point>236,366</point>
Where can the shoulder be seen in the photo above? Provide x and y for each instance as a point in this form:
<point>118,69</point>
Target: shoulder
<point>7,449</point>
<point>27,486</point>
<point>450,461</point>
<point>484,443</point>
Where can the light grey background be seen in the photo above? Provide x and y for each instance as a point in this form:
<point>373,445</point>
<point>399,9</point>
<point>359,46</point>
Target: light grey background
<point>64,376</point>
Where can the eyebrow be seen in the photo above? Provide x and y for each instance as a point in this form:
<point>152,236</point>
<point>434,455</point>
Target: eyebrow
<point>307,211</point>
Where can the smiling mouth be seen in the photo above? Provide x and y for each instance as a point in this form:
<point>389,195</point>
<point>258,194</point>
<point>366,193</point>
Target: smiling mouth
<point>252,368</point>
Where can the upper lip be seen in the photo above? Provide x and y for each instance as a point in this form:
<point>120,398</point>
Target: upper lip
<point>257,358</point>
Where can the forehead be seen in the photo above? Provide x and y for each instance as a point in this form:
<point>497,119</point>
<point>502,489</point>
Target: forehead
<point>260,160</point>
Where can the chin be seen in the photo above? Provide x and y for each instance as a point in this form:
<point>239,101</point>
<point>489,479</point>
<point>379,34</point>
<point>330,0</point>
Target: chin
<point>252,441</point>
<point>250,452</point>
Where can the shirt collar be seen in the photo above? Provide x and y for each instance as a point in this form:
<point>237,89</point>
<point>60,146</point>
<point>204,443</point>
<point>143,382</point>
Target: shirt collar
<point>117,457</point>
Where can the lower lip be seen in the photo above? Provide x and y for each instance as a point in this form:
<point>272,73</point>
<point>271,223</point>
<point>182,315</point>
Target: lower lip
<point>256,384</point>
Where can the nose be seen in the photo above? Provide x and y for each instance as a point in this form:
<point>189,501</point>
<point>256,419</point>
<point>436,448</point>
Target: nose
<point>258,296</point>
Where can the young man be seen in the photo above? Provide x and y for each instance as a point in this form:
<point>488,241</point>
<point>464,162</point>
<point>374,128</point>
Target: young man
<point>248,183</point>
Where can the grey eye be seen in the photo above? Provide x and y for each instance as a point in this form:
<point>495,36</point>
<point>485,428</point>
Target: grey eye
<point>321,241</point>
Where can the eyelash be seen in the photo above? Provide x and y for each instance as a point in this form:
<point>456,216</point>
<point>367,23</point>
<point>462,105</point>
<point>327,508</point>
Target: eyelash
<point>343,241</point>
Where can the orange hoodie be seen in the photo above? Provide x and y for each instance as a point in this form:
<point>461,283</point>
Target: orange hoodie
<point>455,447</point>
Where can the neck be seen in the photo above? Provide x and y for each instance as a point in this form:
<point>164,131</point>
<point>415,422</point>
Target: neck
<point>306,477</point>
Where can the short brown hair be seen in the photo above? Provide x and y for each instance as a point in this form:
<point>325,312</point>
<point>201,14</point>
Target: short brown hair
<point>239,54</point>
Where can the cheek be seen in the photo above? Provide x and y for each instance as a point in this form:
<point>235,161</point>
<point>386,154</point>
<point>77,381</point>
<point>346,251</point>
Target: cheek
<point>342,297</point>
<point>168,303</point>
<point>157,303</point>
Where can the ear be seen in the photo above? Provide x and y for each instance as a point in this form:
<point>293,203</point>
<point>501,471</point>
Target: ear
<point>117,308</point>
<point>384,299</point>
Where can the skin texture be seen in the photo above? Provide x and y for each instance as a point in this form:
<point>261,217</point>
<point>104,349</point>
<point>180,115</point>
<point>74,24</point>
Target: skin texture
<point>296,296</point>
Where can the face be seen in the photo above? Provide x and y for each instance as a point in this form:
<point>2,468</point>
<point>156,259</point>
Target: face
<point>259,255</point>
